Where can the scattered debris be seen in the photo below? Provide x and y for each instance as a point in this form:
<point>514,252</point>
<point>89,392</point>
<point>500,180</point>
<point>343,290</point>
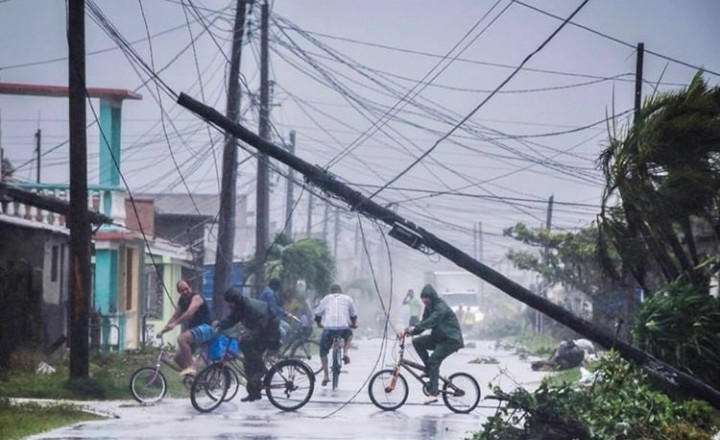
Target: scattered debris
<point>484,360</point>
<point>44,368</point>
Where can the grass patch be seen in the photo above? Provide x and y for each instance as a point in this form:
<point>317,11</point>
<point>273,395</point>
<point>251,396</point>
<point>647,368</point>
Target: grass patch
<point>570,376</point>
<point>109,378</point>
<point>24,419</point>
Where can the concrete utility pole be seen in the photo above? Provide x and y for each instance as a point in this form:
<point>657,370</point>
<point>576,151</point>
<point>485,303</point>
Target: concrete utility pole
<point>38,142</point>
<point>308,228</point>
<point>290,188</point>
<point>546,253</point>
<point>78,220</point>
<point>337,231</point>
<point>226,221</point>
<point>263,181</point>
<point>326,219</point>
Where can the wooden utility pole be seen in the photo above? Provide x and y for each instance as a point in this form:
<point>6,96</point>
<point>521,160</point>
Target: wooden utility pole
<point>638,78</point>
<point>38,142</point>
<point>289,203</point>
<point>263,182</point>
<point>226,222</point>
<point>78,220</point>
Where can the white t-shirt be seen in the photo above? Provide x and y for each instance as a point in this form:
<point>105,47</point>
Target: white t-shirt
<point>336,310</point>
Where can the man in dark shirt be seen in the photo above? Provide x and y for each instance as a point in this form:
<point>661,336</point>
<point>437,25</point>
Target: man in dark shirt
<point>263,333</point>
<point>193,310</point>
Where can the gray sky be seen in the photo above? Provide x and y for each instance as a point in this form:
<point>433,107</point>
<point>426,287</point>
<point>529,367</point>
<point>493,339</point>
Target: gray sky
<point>369,86</point>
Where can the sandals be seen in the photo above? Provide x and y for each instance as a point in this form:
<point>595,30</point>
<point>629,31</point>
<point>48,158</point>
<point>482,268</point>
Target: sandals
<point>325,382</point>
<point>346,359</point>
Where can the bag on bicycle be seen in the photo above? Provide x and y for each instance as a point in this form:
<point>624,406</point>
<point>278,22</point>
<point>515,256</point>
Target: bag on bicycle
<point>222,344</point>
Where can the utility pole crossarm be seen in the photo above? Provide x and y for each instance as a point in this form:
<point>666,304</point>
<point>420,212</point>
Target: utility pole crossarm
<point>415,236</point>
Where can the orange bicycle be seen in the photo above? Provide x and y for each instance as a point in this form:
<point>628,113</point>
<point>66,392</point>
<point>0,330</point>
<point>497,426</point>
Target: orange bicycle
<point>389,390</point>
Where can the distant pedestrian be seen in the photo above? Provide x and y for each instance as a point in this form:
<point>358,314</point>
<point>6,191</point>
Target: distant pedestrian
<point>414,306</point>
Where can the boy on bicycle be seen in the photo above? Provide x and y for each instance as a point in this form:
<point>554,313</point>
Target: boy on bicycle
<point>444,339</point>
<point>337,316</point>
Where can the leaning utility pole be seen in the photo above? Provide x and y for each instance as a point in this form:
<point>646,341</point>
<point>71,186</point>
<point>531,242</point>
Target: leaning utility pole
<point>78,220</point>
<point>290,188</point>
<point>263,181</point>
<point>226,220</point>
<point>418,238</point>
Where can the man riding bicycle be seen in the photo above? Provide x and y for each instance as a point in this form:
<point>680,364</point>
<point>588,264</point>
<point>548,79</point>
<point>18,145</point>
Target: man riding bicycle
<point>192,309</point>
<point>336,314</point>
<point>263,333</point>
<point>444,339</point>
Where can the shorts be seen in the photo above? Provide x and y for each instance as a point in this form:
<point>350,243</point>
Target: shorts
<point>201,334</point>
<point>326,340</point>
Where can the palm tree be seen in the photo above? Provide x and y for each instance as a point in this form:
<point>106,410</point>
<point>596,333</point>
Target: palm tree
<point>665,172</point>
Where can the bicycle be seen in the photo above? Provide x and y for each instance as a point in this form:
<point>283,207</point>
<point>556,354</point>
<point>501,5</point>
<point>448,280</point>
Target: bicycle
<point>389,390</point>
<point>338,343</point>
<point>149,385</point>
<point>288,383</point>
<point>299,345</point>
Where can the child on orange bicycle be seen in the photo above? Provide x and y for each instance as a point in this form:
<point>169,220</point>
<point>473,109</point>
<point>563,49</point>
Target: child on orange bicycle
<point>445,337</point>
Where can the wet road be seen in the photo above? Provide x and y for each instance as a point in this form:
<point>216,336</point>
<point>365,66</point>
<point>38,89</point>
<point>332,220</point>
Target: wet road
<point>346,413</point>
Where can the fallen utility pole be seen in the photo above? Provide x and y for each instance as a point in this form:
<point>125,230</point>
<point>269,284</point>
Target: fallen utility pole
<point>418,238</point>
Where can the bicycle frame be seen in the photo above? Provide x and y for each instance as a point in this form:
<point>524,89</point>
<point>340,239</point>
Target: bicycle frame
<point>412,368</point>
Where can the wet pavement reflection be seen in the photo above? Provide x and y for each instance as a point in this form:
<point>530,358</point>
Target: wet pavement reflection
<point>346,413</point>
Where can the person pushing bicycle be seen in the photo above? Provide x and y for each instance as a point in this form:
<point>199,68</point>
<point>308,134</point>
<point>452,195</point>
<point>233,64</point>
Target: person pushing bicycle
<point>263,333</point>
<point>445,337</point>
<point>337,316</point>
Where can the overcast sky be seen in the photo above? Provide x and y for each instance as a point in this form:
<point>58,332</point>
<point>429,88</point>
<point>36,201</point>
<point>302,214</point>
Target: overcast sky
<point>369,86</point>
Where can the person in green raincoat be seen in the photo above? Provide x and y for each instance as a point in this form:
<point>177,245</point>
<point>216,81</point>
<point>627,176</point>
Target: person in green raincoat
<point>445,337</point>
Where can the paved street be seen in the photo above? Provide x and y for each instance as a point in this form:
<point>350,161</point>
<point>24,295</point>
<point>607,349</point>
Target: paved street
<point>346,413</point>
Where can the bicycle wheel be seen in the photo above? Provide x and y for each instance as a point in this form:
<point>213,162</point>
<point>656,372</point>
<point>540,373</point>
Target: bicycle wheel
<point>148,385</point>
<point>386,392</point>
<point>308,351</point>
<point>462,393</point>
<point>289,384</point>
<point>210,387</point>
<point>336,366</point>
<point>234,385</point>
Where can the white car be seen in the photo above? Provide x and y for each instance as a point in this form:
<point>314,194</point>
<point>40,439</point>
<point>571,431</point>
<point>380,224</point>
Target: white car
<point>468,302</point>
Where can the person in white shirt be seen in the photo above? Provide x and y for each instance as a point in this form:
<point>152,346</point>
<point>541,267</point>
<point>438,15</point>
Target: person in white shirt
<point>337,316</point>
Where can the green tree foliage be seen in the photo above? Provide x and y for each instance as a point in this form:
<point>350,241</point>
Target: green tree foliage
<point>680,325</point>
<point>619,405</point>
<point>570,259</point>
<point>665,172</point>
<point>7,170</point>
<point>306,259</point>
